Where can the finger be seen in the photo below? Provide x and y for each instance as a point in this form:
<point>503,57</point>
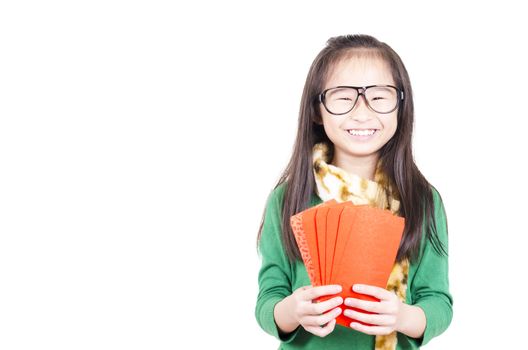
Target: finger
<point>380,293</point>
<point>323,306</point>
<point>372,306</point>
<point>303,288</point>
<point>321,319</point>
<point>322,331</point>
<point>319,291</point>
<point>372,330</point>
<point>373,319</point>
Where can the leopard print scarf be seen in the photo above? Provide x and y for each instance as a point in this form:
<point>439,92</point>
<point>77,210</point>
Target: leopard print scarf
<point>333,182</point>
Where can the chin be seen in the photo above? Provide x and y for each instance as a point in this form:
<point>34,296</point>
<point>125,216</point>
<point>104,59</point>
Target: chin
<point>360,151</point>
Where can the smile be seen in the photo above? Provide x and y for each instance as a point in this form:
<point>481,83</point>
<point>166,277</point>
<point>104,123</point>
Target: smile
<point>362,132</point>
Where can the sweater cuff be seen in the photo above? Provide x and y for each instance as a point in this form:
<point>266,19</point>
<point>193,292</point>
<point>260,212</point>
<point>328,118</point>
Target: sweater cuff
<point>433,328</point>
<point>268,321</point>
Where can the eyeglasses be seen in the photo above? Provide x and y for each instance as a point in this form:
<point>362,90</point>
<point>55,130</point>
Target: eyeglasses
<point>379,98</point>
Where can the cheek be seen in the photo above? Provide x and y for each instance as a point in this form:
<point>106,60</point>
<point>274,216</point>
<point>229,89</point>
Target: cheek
<point>390,124</point>
<point>329,122</point>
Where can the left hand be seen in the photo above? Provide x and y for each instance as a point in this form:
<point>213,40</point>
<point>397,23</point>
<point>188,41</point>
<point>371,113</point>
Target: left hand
<point>387,312</point>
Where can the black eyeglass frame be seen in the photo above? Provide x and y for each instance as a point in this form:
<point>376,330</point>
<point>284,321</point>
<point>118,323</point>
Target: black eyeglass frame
<point>322,96</point>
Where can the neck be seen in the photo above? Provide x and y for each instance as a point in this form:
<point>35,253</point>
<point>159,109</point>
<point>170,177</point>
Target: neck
<point>364,167</point>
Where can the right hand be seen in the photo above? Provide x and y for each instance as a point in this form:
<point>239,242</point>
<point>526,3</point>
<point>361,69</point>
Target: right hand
<point>312,315</point>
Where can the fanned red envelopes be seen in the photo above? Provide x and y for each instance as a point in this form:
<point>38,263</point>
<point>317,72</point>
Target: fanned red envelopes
<point>345,244</point>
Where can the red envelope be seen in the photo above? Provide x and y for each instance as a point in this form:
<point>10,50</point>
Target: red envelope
<point>343,243</point>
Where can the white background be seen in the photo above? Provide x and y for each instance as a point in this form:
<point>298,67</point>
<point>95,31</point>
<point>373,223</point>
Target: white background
<point>139,141</point>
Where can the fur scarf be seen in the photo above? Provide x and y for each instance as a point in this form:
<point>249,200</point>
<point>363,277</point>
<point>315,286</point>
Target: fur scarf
<point>333,182</point>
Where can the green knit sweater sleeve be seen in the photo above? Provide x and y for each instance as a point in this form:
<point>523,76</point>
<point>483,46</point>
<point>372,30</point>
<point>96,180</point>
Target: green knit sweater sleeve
<point>430,287</point>
<point>275,272</point>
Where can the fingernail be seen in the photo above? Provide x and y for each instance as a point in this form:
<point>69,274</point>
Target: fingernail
<point>338,288</point>
<point>357,288</point>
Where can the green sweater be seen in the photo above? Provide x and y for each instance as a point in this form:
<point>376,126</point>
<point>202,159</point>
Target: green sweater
<point>427,287</point>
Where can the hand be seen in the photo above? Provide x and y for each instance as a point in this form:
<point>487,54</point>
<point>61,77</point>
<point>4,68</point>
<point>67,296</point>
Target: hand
<point>388,311</point>
<point>311,315</point>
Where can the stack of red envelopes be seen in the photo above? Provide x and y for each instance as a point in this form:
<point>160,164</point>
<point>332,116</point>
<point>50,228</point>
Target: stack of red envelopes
<point>345,244</point>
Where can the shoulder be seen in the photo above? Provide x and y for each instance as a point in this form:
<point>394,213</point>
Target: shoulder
<point>275,200</point>
<point>280,189</point>
<point>436,194</point>
<point>438,202</point>
<point>276,195</point>
<point>435,229</point>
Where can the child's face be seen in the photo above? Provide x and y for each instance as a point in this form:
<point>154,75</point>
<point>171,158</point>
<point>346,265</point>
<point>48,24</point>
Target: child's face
<point>359,71</point>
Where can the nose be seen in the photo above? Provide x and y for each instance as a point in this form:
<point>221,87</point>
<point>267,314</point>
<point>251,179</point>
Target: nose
<point>361,111</point>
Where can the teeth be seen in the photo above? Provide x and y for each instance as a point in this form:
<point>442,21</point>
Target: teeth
<point>361,132</point>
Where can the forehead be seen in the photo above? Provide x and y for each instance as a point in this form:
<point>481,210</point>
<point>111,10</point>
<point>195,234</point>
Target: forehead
<point>359,70</point>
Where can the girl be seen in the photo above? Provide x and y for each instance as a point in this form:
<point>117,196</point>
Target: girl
<point>354,144</point>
